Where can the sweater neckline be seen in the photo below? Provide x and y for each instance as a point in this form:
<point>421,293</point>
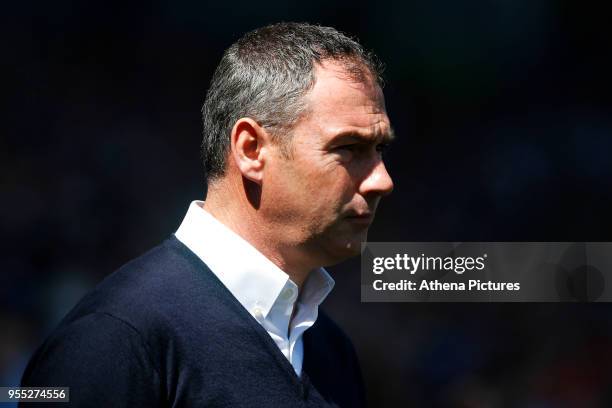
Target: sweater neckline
<point>301,384</point>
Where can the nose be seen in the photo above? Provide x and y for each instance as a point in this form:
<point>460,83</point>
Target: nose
<point>377,181</point>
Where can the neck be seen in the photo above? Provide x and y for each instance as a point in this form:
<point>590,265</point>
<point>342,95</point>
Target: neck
<point>229,204</point>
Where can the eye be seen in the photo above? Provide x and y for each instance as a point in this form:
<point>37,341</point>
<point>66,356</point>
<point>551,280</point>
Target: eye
<point>349,147</point>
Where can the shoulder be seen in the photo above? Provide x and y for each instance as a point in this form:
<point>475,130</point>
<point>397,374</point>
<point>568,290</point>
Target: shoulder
<point>144,324</point>
<point>332,364</point>
<point>148,289</point>
<point>327,341</point>
<point>152,300</point>
<point>327,332</point>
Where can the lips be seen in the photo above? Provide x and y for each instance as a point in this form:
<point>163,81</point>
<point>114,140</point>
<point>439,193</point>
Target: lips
<point>361,218</point>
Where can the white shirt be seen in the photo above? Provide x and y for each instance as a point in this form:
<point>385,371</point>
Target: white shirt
<point>264,290</point>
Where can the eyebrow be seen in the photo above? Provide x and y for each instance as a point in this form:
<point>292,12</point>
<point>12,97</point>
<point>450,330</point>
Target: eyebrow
<point>386,137</point>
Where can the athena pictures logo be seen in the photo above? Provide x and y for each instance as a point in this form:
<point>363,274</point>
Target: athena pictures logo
<point>486,272</point>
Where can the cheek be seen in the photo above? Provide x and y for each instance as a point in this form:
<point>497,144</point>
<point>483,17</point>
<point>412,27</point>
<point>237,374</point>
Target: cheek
<point>331,192</point>
<point>314,188</point>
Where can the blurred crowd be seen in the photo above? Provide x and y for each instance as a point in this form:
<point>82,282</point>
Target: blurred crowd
<point>504,133</point>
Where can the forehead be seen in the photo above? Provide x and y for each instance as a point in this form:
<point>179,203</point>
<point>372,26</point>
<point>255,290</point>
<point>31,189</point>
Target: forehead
<point>339,103</point>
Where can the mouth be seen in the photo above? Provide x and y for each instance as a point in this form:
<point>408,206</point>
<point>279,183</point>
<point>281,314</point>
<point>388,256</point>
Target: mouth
<point>361,218</point>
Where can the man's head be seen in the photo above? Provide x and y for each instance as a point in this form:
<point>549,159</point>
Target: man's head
<point>296,112</point>
<point>265,75</point>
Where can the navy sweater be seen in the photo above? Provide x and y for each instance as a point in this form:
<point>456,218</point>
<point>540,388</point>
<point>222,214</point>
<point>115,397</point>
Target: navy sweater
<point>163,331</point>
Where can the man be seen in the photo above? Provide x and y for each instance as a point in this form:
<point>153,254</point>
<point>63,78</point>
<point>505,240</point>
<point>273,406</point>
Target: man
<point>225,313</point>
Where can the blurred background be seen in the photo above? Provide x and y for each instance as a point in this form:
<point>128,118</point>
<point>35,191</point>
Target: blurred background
<point>503,115</point>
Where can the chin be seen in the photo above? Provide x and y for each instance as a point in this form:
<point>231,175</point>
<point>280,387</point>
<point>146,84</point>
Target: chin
<point>353,247</point>
<point>340,251</point>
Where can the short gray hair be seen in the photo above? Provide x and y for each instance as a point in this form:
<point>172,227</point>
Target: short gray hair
<point>264,76</point>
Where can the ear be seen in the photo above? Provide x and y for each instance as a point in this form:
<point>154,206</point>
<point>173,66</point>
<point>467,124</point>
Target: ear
<point>249,147</point>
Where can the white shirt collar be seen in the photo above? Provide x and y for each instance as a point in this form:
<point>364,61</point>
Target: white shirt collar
<point>257,283</point>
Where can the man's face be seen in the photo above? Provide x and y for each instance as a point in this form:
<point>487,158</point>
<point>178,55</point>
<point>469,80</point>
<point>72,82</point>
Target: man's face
<point>322,199</point>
